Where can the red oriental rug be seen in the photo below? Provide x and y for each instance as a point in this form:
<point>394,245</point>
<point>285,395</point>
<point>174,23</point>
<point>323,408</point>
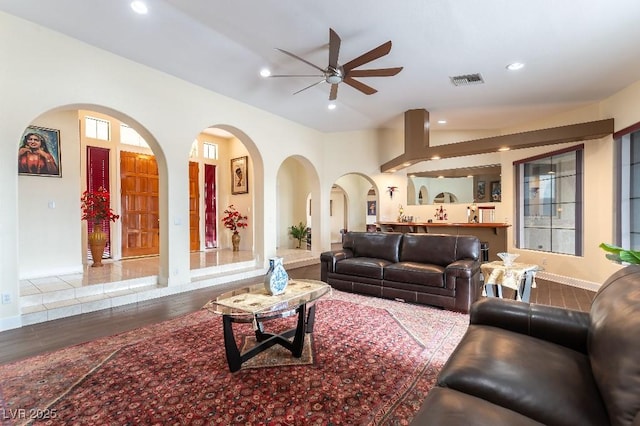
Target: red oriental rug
<point>369,362</point>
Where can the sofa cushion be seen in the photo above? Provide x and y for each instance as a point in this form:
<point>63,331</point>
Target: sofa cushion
<point>362,267</point>
<point>452,408</point>
<point>614,344</point>
<point>438,249</point>
<point>379,245</point>
<point>415,273</point>
<point>547,382</point>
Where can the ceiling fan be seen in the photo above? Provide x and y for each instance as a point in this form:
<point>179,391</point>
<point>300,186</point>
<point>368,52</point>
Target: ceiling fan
<point>334,73</point>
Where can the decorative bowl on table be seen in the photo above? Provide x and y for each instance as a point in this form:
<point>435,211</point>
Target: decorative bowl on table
<point>508,258</point>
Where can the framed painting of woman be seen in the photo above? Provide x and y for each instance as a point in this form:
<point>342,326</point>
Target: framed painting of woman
<point>39,152</point>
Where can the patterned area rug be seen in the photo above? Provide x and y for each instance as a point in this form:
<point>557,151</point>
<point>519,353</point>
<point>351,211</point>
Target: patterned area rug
<point>373,363</point>
<point>277,356</point>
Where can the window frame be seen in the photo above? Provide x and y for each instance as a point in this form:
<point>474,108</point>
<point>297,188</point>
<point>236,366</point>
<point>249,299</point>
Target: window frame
<point>519,167</point>
<point>623,139</point>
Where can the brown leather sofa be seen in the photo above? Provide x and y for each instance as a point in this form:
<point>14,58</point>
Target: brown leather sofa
<point>527,364</point>
<point>432,269</point>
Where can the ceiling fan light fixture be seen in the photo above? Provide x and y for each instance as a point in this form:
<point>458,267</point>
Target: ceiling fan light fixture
<point>334,78</point>
<point>331,106</point>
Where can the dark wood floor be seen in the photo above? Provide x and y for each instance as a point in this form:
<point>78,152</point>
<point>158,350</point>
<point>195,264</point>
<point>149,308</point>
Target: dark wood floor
<point>52,335</point>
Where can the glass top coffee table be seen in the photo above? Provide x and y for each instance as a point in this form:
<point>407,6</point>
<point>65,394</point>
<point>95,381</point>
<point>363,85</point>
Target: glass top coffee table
<point>255,305</point>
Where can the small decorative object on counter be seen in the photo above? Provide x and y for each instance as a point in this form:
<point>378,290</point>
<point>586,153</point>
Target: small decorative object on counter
<point>441,213</point>
<point>508,258</point>
<point>276,280</point>
<point>472,215</point>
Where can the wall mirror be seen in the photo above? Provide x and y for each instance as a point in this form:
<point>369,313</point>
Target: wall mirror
<point>461,185</point>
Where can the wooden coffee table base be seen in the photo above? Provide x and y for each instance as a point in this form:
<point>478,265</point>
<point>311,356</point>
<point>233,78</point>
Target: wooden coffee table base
<point>266,340</point>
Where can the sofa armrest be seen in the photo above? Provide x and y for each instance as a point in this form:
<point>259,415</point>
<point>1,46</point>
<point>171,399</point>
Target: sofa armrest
<point>561,326</point>
<point>328,260</point>
<point>463,268</point>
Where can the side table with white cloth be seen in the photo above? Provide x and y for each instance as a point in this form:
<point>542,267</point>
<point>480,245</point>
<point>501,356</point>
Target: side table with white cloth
<point>520,277</point>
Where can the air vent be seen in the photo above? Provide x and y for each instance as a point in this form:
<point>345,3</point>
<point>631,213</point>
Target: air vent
<point>465,80</point>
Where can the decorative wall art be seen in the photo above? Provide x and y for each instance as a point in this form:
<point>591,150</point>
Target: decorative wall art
<point>239,176</point>
<point>39,152</point>
<point>481,190</point>
<point>371,208</point>
<point>496,191</point>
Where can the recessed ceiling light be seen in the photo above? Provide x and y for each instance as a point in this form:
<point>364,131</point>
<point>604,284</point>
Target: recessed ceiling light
<point>442,121</point>
<point>331,106</point>
<point>504,148</point>
<point>139,7</point>
<point>435,157</point>
<point>407,164</point>
<point>265,72</point>
<point>515,66</point>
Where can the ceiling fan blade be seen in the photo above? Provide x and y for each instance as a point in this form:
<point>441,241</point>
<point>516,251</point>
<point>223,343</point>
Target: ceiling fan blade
<point>301,59</point>
<point>296,75</point>
<point>367,90</point>
<point>381,72</point>
<point>309,87</point>
<point>371,55</point>
<point>334,92</point>
<point>334,49</point>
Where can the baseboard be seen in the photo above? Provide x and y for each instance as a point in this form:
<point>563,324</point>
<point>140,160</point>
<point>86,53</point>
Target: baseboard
<point>9,323</point>
<point>574,282</point>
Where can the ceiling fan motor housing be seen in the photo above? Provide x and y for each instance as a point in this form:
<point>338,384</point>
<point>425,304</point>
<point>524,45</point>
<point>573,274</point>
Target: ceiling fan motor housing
<point>333,76</point>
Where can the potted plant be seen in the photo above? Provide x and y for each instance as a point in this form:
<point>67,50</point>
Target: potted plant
<point>233,220</point>
<point>96,208</point>
<point>299,232</point>
<point>620,255</point>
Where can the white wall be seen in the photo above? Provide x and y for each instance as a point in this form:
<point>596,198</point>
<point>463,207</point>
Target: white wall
<point>49,242</point>
<point>43,71</point>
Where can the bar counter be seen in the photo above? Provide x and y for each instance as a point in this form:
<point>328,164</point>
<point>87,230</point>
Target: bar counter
<point>495,234</point>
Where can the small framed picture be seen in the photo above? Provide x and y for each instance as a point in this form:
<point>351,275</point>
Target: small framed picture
<point>39,152</point>
<point>371,208</point>
<point>496,191</point>
<point>481,190</point>
<point>239,176</point>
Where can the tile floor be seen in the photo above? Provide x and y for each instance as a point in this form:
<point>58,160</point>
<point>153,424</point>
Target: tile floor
<point>133,280</point>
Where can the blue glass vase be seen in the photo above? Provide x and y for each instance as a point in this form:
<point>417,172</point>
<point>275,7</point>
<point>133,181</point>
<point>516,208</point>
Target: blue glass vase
<point>276,280</point>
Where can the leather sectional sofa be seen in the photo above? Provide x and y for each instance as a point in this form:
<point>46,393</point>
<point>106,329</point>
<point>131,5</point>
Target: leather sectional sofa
<point>527,364</point>
<point>432,269</point>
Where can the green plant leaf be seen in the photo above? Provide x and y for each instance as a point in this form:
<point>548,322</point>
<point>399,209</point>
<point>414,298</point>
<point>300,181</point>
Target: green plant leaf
<point>618,254</point>
<point>610,248</point>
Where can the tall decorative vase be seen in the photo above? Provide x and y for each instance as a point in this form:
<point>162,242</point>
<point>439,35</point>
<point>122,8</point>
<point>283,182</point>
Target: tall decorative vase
<point>235,241</point>
<point>97,242</point>
<point>276,280</point>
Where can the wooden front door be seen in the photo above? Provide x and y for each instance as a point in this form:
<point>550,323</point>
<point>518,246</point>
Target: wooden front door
<point>140,205</point>
<point>194,207</point>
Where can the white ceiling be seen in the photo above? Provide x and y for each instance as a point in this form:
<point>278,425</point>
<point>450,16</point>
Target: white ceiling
<point>576,52</point>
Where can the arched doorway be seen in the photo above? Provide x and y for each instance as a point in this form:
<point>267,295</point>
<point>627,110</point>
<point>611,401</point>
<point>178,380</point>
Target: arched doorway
<point>361,203</point>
